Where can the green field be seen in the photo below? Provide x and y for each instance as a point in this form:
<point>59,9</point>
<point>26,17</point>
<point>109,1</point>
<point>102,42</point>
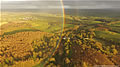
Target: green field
<point>109,36</point>
<point>31,21</point>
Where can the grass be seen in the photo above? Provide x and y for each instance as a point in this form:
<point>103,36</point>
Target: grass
<point>116,29</point>
<point>21,30</point>
<point>53,23</point>
<point>69,25</point>
<point>117,24</point>
<point>95,22</point>
<point>109,36</point>
<point>35,21</point>
<point>114,26</point>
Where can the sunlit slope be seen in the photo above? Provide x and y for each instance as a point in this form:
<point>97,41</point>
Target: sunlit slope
<point>13,22</point>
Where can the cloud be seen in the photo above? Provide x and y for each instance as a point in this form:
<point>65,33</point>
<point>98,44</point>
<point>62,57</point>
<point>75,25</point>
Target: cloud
<point>93,4</point>
<point>31,0</point>
<point>31,5</point>
<point>15,0</point>
<point>91,0</point>
<point>56,4</point>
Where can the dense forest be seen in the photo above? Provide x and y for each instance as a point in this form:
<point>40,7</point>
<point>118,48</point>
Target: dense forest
<point>79,49</point>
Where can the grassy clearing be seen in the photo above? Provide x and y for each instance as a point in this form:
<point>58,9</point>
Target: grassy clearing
<point>96,22</point>
<point>117,24</point>
<point>109,36</point>
<point>114,28</point>
<point>20,30</point>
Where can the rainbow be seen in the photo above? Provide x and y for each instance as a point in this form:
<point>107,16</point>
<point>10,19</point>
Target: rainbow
<point>54,50</point>
<point>63,24</point>
<point>63,14</point>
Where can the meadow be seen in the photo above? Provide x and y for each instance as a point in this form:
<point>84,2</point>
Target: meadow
<point>30,21</point>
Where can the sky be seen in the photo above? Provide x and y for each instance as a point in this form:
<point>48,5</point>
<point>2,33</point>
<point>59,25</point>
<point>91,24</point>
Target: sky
<point>56,4</point>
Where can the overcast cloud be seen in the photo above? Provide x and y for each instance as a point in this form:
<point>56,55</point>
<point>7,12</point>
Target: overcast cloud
<point>56,4</point>
<point>93,4</point>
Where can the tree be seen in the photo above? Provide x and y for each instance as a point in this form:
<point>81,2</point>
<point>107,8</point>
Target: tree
<point>84,64</point>
<point>113,46</point>
<point>114,51</point>
<point>34,56</point>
